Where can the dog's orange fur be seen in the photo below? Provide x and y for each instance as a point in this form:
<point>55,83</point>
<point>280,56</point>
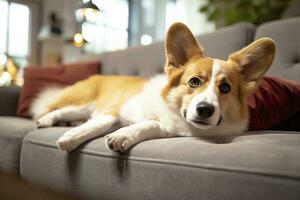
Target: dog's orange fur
<point>107,92</point>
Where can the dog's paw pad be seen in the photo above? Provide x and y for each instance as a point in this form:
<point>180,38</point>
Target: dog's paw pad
<point>109,142</point>
<point>118,143</point>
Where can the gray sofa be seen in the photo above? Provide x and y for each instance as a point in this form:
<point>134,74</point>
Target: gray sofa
<point>259,165</point>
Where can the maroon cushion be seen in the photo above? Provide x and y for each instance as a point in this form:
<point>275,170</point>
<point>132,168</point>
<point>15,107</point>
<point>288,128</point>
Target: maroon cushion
<point>36,78</point>
<point>275,105</point>
<point>291,124</point>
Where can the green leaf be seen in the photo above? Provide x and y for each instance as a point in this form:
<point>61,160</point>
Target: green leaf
<point>214,15</point>
<point>254,11</point>
<point>204,9</point>
<point>258,2</point>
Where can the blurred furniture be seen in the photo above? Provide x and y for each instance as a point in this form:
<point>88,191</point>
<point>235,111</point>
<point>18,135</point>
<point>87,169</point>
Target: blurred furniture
<point>260,165</point>
<point>52,42</point>
<point>51,50</point>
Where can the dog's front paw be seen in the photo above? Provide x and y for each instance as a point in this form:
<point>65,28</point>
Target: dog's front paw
<point>119,142</point>
<point>44,122</point>
<point>67,143</point>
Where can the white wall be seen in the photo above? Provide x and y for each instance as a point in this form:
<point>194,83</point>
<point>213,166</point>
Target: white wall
<point>70,28</point>
<point>65,10</point>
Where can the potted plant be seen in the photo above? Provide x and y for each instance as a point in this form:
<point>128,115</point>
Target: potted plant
<point>226,12</point>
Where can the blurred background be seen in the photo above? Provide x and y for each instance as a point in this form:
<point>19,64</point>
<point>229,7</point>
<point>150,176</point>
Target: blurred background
<point>49,32</point>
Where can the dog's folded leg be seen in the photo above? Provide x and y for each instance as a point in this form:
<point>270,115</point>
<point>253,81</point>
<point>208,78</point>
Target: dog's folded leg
<point>128,136</point>
<point>93,128</point>
<point>69,113</point>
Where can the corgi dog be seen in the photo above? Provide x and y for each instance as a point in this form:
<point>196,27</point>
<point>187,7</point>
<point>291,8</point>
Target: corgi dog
<point>197,96</point>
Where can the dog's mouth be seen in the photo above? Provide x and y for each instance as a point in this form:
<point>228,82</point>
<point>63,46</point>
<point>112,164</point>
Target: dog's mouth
<point>201,122</point>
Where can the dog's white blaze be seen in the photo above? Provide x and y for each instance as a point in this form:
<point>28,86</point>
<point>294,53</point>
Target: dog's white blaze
<point>209,96</point>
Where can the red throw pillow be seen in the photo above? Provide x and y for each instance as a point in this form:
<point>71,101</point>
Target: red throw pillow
<point>275,105</point>
<point>36,78</point>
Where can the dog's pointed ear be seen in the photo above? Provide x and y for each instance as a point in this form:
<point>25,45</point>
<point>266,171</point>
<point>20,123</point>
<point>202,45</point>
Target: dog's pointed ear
<point>255,59</point>
<point>180,45</point>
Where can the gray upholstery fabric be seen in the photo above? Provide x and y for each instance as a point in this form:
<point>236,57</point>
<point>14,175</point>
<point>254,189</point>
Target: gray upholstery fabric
<point>286,34</point>
<point>247,167</point>
<point>12,132</point>
<point>150,60</point>
<point>9,97</point>
<point>139,60</point>
<point>225,41</point>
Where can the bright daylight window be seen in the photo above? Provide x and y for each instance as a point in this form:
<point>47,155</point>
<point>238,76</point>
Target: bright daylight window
<point>14,32</point>
<point>109,30</point>
<point>188,13</point>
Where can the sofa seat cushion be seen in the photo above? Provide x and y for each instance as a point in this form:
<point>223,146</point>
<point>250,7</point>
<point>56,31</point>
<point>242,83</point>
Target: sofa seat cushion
<point>255,166</point>
<point>12,132</point>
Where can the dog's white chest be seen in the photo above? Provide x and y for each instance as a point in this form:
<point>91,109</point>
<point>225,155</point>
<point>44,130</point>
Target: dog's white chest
<point>146,104</point>
<point>149,105</point>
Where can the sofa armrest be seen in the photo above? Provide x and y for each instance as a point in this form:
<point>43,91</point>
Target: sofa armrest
<point>9,97</point>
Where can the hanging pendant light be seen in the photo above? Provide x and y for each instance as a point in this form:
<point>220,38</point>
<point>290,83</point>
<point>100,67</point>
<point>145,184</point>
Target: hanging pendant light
<point>86,10</point>
<point>77,40</point>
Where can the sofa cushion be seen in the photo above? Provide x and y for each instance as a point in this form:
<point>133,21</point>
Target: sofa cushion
<point>12,132</point>
<point>286,34</point>
<point>227,40</point>
<point>139,60</point>
<point>256,166</point>
<point>276,101</point>
<point>9,97</point>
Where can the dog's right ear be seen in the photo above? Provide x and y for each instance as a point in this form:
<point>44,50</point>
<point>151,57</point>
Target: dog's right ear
<point>180,46</point>
<point>254,60</point>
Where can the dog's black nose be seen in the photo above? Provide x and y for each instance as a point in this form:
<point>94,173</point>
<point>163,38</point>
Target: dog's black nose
<point>205,110</point>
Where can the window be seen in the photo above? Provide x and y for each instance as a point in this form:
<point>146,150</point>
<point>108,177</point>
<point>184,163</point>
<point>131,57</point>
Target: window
<point>109,30</point>
<point>14,32</point>
<point>188,13</point>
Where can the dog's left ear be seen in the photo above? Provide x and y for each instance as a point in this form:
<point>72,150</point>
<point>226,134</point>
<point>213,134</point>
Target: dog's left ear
<point>180,46</point>
<point>255,59</point>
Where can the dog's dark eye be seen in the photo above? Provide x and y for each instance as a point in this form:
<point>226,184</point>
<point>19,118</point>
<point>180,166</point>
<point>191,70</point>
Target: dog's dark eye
<point>224,88</point>
<point>194,82</point>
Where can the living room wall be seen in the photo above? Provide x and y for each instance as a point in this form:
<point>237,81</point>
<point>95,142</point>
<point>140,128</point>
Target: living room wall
<point>65,10</point>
